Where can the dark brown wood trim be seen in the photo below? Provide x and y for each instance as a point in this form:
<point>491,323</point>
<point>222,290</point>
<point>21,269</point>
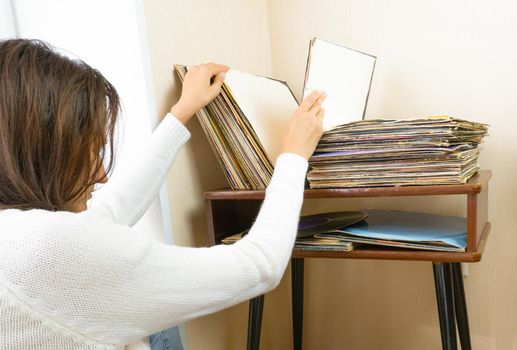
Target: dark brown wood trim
<point>210,222</point>
<point>473,186</point>
<point>472,205</point>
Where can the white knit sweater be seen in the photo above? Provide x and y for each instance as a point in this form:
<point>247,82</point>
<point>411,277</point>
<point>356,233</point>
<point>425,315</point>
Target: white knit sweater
<point>89,281</point>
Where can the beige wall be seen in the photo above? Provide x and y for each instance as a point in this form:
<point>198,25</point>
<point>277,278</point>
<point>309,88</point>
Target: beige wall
<point>434,57</point>
<point>441,57</point>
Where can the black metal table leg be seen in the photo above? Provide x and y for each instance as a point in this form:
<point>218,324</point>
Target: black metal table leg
<point>445,301</point>
<point>297,301</point>
<point>255,322</point>
<point>460,304</point>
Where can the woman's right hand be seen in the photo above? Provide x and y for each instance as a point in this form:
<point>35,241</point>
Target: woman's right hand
<point>306,126</point>
<point>201,85</point>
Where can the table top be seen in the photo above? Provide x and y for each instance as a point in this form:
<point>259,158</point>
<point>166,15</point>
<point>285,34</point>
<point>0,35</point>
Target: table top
<point>473,186</point>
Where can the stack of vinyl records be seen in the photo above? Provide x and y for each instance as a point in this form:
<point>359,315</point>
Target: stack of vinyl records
<point>403,229</point>
<point>369,153</point>
<point>342,231</point>
<point>246,123</point>
<point>329,243</point>
<point>244,126</point>
<point>311,225</point>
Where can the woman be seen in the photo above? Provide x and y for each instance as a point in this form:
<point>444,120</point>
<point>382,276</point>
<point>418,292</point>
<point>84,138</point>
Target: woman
<point>77,276</point>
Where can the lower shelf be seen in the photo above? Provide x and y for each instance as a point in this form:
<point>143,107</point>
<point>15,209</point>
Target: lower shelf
<point>229,212</point>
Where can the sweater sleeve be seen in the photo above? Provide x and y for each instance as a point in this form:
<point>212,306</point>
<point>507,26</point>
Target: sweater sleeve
<point>115,286</point>
<point>137,180</point>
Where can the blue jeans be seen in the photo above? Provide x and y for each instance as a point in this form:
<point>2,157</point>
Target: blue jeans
<point>168,339</point>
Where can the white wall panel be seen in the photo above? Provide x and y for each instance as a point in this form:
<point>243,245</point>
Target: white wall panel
<point>109,36</point>
<point>7,28</point>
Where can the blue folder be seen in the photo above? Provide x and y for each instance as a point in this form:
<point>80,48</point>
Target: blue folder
<point>410,230</point>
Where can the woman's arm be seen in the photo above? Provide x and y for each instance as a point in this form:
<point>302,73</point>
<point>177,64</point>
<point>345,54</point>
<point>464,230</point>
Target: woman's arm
<point>114,285</point>
<point>137,181</point>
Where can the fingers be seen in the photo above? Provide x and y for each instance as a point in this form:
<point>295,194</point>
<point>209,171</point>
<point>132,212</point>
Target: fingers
<point>219,79</point>
<point>309,101</point>
<point>192,68</point>
<point>218,82</point>
<point>317,104</point>
<point>213,69</point>
<point>320,114</point>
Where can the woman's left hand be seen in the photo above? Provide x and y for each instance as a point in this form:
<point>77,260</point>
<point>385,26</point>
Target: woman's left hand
<point>201,85</point>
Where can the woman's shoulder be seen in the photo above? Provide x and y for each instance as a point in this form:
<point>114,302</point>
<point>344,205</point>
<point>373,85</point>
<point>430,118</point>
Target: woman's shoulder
<point>42,229</point>
<point>45,220</point>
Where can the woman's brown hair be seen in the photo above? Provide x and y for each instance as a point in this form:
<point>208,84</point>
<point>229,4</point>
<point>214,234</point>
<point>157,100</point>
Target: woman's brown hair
<point>56,116</point>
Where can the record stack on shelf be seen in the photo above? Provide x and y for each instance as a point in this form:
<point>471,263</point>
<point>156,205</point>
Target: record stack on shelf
<point>342,231</point>
<point>311,225</point>
<point>240,154</point>
<point>401,229</point>
<point>333,243</point>
<point>244,126</point>
<point>246,123</point>
<point>370,153</point>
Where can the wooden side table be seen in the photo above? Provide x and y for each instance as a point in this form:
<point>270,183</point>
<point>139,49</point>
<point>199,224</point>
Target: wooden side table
<point>230,211</point>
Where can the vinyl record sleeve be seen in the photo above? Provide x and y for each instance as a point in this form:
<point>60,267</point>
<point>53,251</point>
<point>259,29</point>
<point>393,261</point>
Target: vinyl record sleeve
<point>309,225</point>
<point>345,75</point>
<point>407,229</point>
